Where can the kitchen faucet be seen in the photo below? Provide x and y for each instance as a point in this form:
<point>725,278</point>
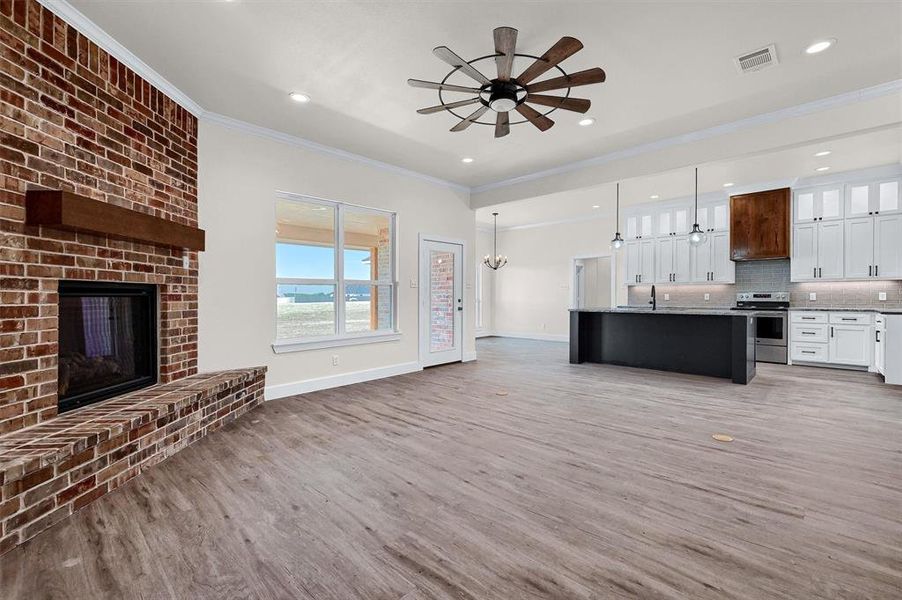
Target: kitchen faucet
<point>654,300</point>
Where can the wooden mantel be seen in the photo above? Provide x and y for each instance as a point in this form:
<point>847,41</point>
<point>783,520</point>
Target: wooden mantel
<point>71,212</point>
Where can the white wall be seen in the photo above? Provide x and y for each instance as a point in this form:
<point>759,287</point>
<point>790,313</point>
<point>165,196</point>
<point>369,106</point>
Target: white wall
<point>239,174</point>
<point>532,293</point>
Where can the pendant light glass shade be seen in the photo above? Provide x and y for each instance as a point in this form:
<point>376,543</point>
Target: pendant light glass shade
<point>697,237</point>
<point>617,242</point>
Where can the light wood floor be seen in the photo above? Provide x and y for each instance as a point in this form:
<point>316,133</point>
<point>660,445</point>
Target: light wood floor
<point>583,481</point>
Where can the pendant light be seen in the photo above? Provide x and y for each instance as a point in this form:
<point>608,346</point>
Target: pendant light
<point>497,261</point>
<point>697,237</point>
<point>617,242</point>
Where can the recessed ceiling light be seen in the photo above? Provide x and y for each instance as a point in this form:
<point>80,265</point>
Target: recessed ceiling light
<point>299,97</point>
<point>587,121</point>
<point>822,153</point>
<point>729,184</point>
<point>654,196</point>
<point>466,160</point>
<point>595,206</point>
<point>822,169</point>
<point>819,46</point>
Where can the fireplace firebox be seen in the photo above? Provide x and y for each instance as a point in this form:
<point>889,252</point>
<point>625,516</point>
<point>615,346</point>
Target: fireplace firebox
<point>107,340</point>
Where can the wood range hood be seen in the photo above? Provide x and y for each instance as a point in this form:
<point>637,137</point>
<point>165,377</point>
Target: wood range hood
<point>71,212</point>
<point>759,225</point>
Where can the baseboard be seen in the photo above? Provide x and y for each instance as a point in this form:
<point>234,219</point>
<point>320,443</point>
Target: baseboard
<point>274,392</point>
<point>469,356</point>
<point>544,337</point>
<point>483,333</point>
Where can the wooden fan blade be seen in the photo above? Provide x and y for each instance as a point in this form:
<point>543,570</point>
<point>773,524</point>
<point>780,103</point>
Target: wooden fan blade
<point>579,105</point>
<point>586,77</point>
<point>445,53</point>
<point>505,45</point>
<point>564,48</point>
<point>469,120</point>
<point>534,117</point>
<point>441,107</point>
<point>445,87</point>
<point>502,125</point>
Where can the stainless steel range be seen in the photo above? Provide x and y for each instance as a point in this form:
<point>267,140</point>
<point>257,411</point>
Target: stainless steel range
<point>771,315</point>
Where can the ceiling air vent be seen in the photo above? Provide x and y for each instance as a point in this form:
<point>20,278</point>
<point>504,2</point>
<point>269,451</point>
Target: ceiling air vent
<point>757,59</point>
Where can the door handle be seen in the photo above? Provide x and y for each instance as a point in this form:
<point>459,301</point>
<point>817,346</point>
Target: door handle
<point>820,272</point>
<point>460,308</point>
<point>876,270</point>
<point>831,332</point>
<point>815,273</point>
<point>870,269</point>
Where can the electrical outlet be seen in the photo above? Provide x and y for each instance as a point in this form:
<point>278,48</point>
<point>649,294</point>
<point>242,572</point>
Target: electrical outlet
<point>413,283</point>
<point>707,297</point>
<point>812,296</point>
<point>334,360</point>
<point>881,296</point>
<point>667,296</point>
<point>186,260</point>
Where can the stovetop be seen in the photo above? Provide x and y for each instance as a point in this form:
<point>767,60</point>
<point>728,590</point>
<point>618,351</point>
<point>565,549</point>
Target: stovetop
<point>762,301</point>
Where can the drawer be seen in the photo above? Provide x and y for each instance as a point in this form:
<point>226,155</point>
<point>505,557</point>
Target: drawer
<point>805,333</point>
<point>849,318</point>
<point>808,317</point>
<point>809,352</point>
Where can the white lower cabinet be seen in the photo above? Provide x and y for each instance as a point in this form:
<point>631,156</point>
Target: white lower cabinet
<point>834,338</point>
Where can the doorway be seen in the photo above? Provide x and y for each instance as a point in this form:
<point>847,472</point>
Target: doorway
<point>441,302</point>
<point>592,282</point>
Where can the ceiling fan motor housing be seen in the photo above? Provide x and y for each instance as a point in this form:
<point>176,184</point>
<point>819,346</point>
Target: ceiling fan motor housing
<point>503,96</point>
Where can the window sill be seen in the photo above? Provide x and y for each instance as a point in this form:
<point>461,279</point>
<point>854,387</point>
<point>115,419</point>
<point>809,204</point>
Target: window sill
<point>284,346</point>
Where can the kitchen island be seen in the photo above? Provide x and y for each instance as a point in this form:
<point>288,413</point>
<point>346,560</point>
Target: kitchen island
<point>713,342</point>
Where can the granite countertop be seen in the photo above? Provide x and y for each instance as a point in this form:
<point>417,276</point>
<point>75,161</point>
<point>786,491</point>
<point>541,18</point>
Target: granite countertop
<point>666,311</point>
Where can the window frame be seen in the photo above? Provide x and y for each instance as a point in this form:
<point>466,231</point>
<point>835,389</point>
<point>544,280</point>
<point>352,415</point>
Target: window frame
<point>339,337</point>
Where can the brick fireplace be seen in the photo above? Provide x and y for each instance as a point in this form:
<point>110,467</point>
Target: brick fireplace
<point>74,118</point>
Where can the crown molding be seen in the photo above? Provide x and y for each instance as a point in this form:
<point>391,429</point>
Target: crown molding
<point>877,91</point>
<point>300,142</point>
<point>93,32</point>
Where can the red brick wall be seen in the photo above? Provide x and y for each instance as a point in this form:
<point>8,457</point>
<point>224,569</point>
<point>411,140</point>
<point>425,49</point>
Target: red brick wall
<point>74,118</point>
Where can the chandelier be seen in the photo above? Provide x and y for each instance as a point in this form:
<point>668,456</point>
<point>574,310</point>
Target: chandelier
<point>497,261</point>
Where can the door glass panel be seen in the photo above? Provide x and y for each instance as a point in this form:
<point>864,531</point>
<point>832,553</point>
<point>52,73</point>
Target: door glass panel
<point>889,195</point>
<point>805,206</point>
<point>858,200</point>
<point>830,204</point>
<point>664,223</point>
<point>441,301</point>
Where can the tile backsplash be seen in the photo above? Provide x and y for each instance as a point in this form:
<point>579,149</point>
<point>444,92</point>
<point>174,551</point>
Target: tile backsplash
<point>773,276</point>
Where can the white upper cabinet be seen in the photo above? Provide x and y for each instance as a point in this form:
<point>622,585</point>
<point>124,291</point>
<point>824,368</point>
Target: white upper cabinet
<point>818,204</point>
<point>859,247</point>
<point>640,262</point>
<point>640,224</point>
<point>710,261</point>
<point>664,260</point>
<point>713,217</point>
<point>888,246</point>
<point>673,260</point>
<point>682,260</point>
<point>633,261</point>
<point>673,221</point>
<point>873,198</point>
<point>851,231</point>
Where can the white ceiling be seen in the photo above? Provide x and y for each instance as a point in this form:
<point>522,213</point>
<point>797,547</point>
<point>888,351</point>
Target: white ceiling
<point>871,149</point>
<point>669,65</point>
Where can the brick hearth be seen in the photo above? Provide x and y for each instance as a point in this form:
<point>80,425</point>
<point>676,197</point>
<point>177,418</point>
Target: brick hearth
<point>74,118</point>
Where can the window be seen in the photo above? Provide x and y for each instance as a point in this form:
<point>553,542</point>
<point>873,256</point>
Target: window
<point>334,271</point>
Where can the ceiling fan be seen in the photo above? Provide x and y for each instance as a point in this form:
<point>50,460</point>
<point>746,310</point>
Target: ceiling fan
<point>505,93</point>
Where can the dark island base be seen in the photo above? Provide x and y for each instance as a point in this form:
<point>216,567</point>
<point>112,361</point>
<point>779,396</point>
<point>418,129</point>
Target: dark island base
<point>713,345</point>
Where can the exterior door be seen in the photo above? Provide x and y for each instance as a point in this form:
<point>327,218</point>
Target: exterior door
<point>441,302</point>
